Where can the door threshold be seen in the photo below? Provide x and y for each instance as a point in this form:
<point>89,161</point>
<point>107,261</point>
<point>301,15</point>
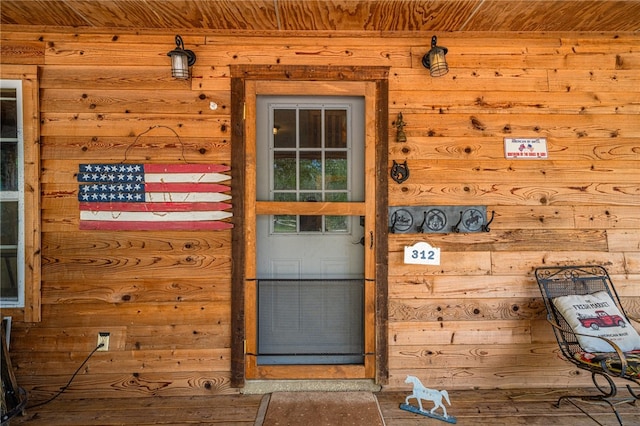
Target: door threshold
<point>253,387</point>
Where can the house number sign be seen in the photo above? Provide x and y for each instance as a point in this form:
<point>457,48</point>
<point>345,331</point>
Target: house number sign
<point>421,254</point>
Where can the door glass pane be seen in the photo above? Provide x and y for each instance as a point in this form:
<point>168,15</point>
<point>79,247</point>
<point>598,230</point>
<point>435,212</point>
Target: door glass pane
<point>284,170</point>
<point>336,223</point>
<point>310,128</point>
<point>336,129</point>
<point>336,170</point>
<point>310,223</point>
<point>285,196</point>
<point>284,128</point>
<point>310,170</point>
<point>9,171</point>
<point>336,197</point>
<point>310,196</point>
<point>285,223</point>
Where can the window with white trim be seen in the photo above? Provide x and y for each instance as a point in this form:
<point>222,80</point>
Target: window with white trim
<point>12,279</point>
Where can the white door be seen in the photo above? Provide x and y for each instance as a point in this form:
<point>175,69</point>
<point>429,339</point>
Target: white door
<point>310,266</point>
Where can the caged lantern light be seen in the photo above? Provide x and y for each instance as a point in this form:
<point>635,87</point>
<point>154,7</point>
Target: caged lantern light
<point>434,59</point>
<point>181,60</point>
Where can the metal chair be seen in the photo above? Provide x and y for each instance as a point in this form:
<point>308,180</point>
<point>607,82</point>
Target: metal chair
<point>556,282</point>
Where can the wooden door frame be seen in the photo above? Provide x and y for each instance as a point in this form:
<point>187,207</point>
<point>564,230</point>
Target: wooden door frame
<point>244,81</point>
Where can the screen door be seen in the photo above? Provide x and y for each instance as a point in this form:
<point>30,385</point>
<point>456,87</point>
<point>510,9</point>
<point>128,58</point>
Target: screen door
<point>310,266</point>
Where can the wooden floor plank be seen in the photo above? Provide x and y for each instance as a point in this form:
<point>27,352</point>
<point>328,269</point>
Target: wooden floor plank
<point>509,407</point>
<point>481,407</point>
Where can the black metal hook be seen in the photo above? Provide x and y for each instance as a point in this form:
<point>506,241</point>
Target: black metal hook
<point>394,219</point>
<point>456,228</point>
<point>485,227</point>
<point>424,220</point>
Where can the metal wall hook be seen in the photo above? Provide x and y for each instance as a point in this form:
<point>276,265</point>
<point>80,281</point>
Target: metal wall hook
<point>394,220</point>
<point>485,227</point>
<point>424,220</point>
<point>456,228</point>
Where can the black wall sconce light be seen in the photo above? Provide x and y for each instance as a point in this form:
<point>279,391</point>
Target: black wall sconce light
<point>434,59</point>
<point>181,60</point>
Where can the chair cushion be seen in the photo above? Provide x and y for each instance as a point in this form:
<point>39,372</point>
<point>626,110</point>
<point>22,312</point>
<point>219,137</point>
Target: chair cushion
<point>597,315</point>
<point>610,361</point>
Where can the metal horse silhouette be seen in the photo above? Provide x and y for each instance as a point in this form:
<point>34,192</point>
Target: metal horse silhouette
<point>436,396</point>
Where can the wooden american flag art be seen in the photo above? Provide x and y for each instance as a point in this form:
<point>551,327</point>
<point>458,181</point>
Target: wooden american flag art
<point>148,197</point>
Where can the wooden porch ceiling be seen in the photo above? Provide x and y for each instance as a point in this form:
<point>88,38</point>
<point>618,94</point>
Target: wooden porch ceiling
<point>326,15</point>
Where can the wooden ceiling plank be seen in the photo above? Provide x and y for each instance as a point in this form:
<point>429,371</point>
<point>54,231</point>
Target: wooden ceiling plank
<point>556,15</point>
<point>324,16</point>
<point>37,12</point>
<point>238,15</point>
<point>118,14</point>
<point>407,15</point>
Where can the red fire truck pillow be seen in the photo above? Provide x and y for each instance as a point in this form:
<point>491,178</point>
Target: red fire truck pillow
<point>596,315</point>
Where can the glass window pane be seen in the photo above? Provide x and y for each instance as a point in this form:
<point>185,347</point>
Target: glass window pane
<point>9,164</point>
<point>310,223</point>
<point>310,196</point>
<point>284,128</point>
<point>8,275</point>
<point>336,170</point>
<point>284,196</point>
<point>310,170</point>
<point>310,128</point>
<point>335,129</point>
<point>283,224</point>
<point>7,92</point>
<point>9,114</point>
<point>9,222</point>
<point>284,170</point>
<point>336,196</point>
<point>337,223</point>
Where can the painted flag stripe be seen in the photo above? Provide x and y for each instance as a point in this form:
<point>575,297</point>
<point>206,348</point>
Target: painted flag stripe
<point>185,187</point>
<point>153,216</point>
<point>185,197</point>
<point>154,226</point>
<point>185,168</point>
<point>154,207</point>
<point>186,177</point>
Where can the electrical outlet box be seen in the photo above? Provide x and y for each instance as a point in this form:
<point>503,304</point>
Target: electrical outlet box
<point>103,338</point>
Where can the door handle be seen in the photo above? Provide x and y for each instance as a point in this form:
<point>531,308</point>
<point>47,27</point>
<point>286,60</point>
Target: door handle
<point>371,240</point>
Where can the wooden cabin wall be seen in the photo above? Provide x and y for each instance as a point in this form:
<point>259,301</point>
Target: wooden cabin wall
<point>474,321</point>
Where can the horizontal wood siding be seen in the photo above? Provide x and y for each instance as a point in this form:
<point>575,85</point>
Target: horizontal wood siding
<point>474,321</point>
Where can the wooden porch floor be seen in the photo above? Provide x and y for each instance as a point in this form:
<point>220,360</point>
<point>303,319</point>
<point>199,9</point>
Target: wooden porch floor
<point>487,407</point>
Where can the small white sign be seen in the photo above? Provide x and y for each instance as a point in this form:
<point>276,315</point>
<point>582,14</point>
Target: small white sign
<point>526,148</point>
<point>421,254</point>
